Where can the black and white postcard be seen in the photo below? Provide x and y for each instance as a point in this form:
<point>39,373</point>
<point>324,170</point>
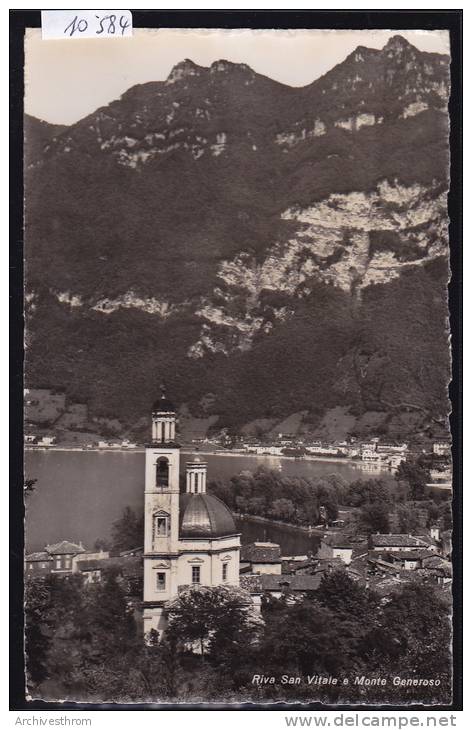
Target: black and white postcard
<point>238,470</point>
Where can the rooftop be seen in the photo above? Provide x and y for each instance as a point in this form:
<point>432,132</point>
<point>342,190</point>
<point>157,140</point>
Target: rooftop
<point>406,554</point>
<point>387,585</point>
<point>38,557</point>
<point>84,565</point>
<point>338,541</point>
<point>65,547</point>
<point>127,565</point>
<point>272,582</point>
<point>204,516</point>
<point>261,552</point>
<point>400,541</point>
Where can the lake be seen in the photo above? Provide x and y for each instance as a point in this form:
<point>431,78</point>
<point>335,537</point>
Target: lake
<point>79,494</point>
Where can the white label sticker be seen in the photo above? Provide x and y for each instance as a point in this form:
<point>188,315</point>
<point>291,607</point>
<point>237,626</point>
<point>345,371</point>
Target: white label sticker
<point>57,24</point>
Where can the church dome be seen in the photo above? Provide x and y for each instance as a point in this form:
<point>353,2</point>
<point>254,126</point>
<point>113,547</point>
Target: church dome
<point>204,516</point>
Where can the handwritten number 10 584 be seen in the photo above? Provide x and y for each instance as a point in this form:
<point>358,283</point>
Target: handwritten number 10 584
<point>108,24</point>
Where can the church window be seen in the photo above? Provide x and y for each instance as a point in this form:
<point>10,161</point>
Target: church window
<point>225,571</point>
<point>161,526</point>
<point>161,581</point>
<point>195,574</point>
<point>68,563</point>
<point>58,562</point>
<point>162,472</point>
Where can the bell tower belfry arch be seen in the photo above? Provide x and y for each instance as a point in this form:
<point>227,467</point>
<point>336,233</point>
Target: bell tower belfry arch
<point>161,513</point>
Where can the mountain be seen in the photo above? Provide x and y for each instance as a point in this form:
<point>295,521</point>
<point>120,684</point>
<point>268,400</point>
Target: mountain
<point>267,250</point>
<point>37,134</point>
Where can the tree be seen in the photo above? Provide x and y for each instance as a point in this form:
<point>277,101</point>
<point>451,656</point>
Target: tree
<point>355,607</point>
<point>413,639</point>
<point>128,531</point>
<point>408,518</point>
<point>29,486</point>
<point>111,623</point>
<point>341,594</point>
<point>415,475</point>
<point>37,639</point>
<point>374,517</point>
<point>310,511</point>
<point>282,509</point>
<point>155,670</point>
<point>62,620</point>
<point>364,491</point>
<point>100,544</point>
<point>89,626</point>
<point>303,636</point>
<point>257,506</point>
<point>201,614</point>
<point>223,491</point>
<point>331,508</point>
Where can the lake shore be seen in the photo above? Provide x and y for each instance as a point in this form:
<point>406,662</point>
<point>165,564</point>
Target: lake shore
<point>217,452</point>
<point>268,521</point>
<point>80,493</point>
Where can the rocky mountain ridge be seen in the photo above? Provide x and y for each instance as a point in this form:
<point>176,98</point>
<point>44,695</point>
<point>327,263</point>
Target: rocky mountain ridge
<point>154,119</point>
<point>224,210</point>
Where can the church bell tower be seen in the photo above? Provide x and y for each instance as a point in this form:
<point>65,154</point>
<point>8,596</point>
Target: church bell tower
<point>161,514</point>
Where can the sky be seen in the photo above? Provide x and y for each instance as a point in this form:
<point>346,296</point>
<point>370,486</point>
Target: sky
<point>67,79</point>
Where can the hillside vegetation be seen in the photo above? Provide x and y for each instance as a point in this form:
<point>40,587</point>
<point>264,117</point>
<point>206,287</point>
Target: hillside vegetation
<point>265,250</point>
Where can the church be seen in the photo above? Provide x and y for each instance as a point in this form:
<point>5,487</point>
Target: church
<point>190,538</point>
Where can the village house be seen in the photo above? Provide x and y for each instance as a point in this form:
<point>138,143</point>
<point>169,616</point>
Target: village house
<point>46,441</point>
<point>394,460</point>
<point>323,450</point>
<point>63,554</point>
<point>305,566</point>
<point>385,572</point>
<point>97,555</point>
<point>276,586</point>
<point>441,448</point>
<point>90,570</point>
<point>298,579</point>
<point>403,559</point>
<point>438,568</point>
<point>369,453</point>
<point>261,557</point>
<point>58,558</point>
<point>126,566</point>
<point>68,558</point>
<point>401,542</point>
<point>335,546</point>
<point>261,450</point>
<point>38,564</point>
<point>440,478</point>
<point>392,448</point>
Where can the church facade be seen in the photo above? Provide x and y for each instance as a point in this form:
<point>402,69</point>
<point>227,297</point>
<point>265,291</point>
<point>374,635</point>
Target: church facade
<point>190,538</point>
